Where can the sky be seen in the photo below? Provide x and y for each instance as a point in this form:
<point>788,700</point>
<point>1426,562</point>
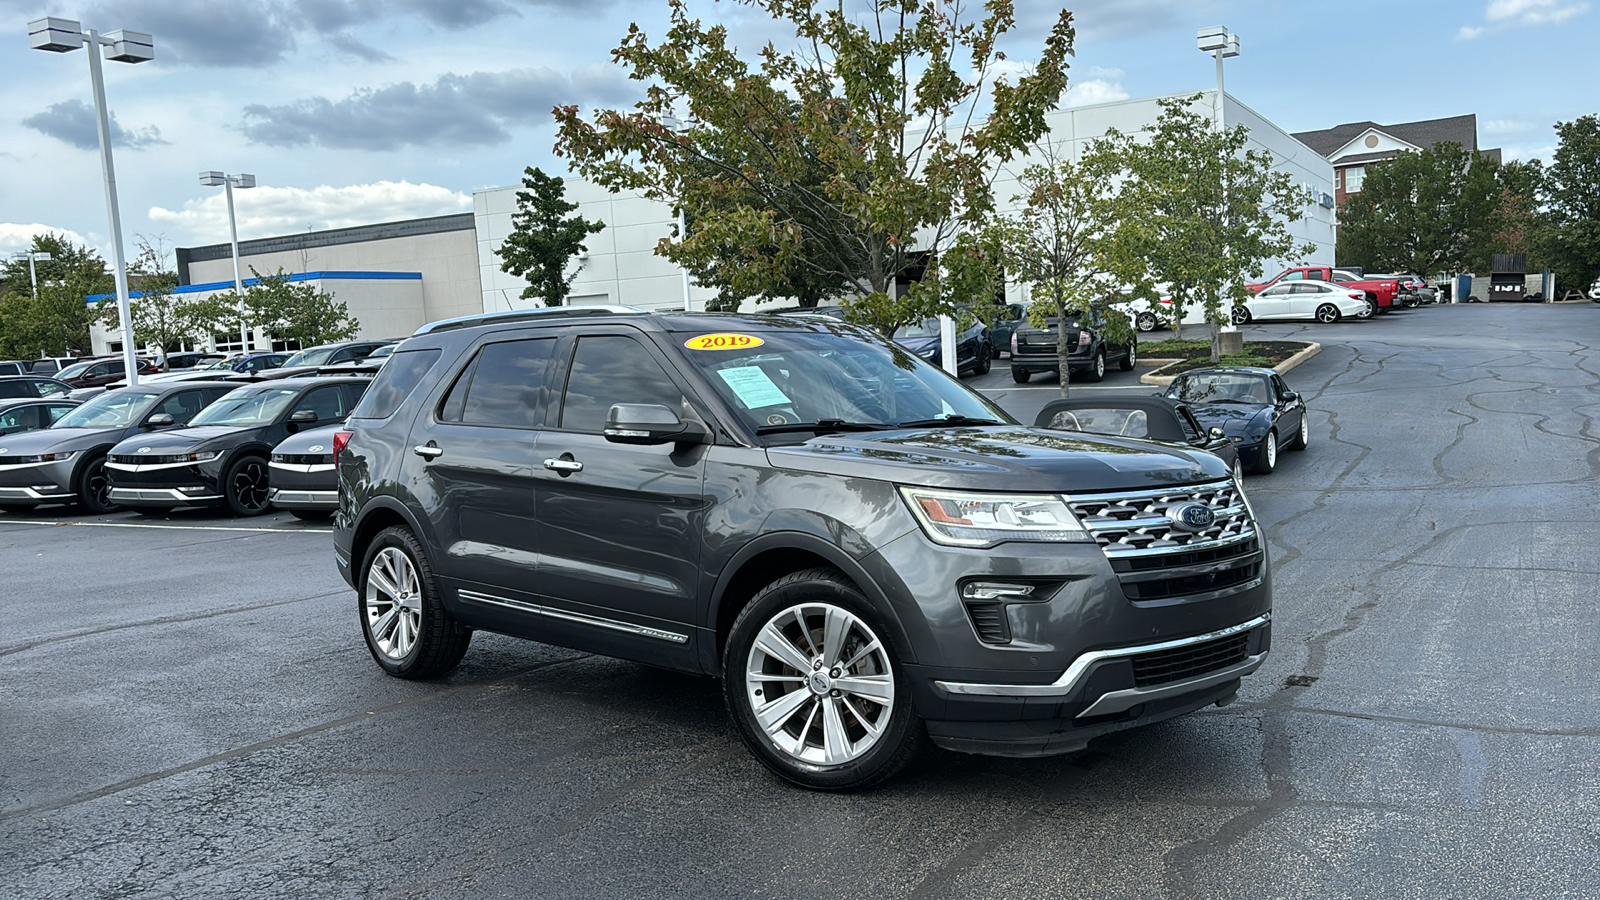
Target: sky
<point>353,112</point>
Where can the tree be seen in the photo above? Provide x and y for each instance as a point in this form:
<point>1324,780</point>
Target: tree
<point>160,318</point>
<point>1572,202</point>
<point>543,238</point>
<point>56,322</point>
<point>1427,212</point>
<point>1199,213</point>
<point>858,158</point>
<point>1063,244</point>
<point>297,311</point>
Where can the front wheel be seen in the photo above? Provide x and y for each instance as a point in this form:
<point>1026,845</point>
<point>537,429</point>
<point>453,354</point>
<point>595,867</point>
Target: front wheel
<point>815,691</point>
<point>1327,313</point>
<point>94,488</point>
<point>1097,369</point>
<point>1241,316</point>
<point>244,487</point>
<point>403,620</point>
<point>1020,376</point>
<point>1267,459</point>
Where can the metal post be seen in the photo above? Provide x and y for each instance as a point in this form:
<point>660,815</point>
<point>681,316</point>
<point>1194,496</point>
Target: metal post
<point>238,282</point>
<point>683,232</point>
<point>33,278</point>
<point>947,345</point>
<point>119,265</point>
<point>1221,119</point>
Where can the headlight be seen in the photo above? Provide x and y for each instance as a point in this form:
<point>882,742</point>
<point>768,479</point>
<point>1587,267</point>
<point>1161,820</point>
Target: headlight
<point>960,519</point>
<point>43,458</point>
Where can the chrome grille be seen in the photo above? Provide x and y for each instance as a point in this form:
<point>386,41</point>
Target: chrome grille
<point>1136,523</point>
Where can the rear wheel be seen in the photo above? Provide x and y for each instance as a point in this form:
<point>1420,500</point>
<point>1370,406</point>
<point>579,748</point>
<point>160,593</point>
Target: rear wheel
<point>94,488</point>
<point>814,689</point>
<point>1267,459</point>
<point>1369,309</point>
<point>244,486</point>
<point>1146,321</point>
<point>1327,313</point>
<point>983,360</point>
<point>1131,360</point>
<point>403,620</point>
<point>1097,368</point>
<point>1020,376</point>
<point>1301,436</point>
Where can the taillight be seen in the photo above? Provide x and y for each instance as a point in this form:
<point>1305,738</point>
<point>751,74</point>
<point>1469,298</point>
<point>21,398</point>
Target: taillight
<point>1083,339</point>
<point>340,438</point>
<point>1013,342</point>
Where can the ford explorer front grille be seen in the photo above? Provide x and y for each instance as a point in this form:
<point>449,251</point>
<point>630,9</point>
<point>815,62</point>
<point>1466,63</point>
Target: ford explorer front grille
<point>1161,546</point>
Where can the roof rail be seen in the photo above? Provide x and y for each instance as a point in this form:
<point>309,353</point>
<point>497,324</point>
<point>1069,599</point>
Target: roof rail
<point>516,315</point>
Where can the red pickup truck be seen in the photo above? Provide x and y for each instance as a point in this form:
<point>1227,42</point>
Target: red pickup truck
<point>1380,291</point>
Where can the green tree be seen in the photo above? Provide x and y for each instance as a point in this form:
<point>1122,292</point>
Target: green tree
<point>544,238</point>
<point>1199,213</point>
<point>1518,221</point>
<point>884,108</point>
<point>1571,196</point>
<point>296,310</point>
<point>1427,212</point>
<point>162,319</point>
<point>56,322</point>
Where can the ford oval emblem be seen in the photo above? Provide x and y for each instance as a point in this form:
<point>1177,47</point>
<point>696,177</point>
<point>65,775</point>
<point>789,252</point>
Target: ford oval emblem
<point>315,448</point>
<point>1193,517</point>
<point>5,449</point>
<point>144,450</point>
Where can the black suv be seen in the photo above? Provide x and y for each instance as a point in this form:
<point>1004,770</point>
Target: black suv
<point>868,553</point>
<point>1033,349</point>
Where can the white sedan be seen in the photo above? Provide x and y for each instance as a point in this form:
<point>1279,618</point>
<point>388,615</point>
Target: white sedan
<point>1320,300</point>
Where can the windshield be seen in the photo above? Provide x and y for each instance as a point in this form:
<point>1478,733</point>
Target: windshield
<point>76,369</point>
<point>1220,387</point>
<point>316,356</point>
<point>797,378</point>
<point>925,328</point>
<point>226,363</point>
<point>112,409</point>
<point>256,406</point>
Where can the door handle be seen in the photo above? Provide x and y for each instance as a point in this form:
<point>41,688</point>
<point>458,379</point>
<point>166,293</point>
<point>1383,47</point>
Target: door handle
<point>427,451</point>
<point>564,466</point>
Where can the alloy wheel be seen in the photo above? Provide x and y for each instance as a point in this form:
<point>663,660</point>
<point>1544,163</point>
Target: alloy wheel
<point>819,683</point>
<point>392,603</point>
<point>249,485</point>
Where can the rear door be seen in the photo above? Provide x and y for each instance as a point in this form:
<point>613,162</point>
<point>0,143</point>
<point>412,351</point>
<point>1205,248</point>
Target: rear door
<point>620,525</point>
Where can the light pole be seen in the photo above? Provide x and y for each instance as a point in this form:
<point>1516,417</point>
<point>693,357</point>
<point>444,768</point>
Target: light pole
<point>64,36</point>
<point>30,256</point>
<point>1222,44</point>
<point>212,179</point>
<point>680,127</point>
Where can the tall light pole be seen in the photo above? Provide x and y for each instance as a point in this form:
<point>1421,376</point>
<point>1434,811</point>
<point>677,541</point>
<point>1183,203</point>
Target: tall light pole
<point>64,36</point>
<point>30,256</point>
<point>680,127</point>
<point>212,179</point>
<point>1222,44</point>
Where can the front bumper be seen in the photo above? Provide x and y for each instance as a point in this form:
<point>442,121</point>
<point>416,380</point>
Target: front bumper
<point>1048,362</point>
<point>38,482</point>
<point>1100,692</point>
<point>164,484</point>
<point>295,485</point>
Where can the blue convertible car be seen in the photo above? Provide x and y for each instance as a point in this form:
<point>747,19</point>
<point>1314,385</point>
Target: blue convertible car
<point>1252,406</point>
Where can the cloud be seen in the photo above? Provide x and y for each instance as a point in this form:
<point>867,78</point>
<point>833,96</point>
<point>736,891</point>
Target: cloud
<point>18,236</point>
<point>454,111</point>
<point>345,43</point>
<point>1093,90</point>
<point>270,211</point>
<point>73,122</point>
<point>1503,14</point>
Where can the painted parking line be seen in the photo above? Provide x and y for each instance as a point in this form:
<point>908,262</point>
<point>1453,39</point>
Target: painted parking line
<point>172,527</point>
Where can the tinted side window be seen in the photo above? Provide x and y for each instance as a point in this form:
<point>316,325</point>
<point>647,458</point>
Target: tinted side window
<point>607,370</point>
<point>507,384</point>
<point>395,382</point>
<point>20,418</point>
<point>1191,428</point>
<point>56,411</point>
<point>183,405</point>
<point>327,402</point>
<point>17,389</point>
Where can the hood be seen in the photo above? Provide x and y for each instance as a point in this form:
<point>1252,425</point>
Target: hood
<point>1232,418</point>
<point>302,442</point>
<point>919,345</point>
<point>56,440</point>
<point>1001,458</point>
<point>182,440</point>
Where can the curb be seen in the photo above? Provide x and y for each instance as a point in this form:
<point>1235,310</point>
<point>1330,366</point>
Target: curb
<point>1312,349</point>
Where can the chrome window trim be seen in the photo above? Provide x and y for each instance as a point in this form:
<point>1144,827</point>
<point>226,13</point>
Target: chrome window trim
<point>1075,673</point>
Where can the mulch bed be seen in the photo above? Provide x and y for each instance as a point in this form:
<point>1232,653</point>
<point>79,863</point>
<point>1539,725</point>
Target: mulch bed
<point>1197,354</point>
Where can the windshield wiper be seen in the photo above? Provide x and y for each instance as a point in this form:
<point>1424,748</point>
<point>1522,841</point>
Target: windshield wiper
<point>952,419</point>
<point>823,426</point>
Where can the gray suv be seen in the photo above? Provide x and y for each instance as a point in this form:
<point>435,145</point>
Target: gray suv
<point>867,553</point>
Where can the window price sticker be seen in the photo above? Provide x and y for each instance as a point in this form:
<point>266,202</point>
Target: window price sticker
<point>723,341</point>
<point>753,388</point>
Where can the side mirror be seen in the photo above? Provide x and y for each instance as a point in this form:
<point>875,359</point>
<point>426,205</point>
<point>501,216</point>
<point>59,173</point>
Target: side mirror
<point>650,423</point>
<point>159,420</point>
<point>1290,396</point>
<point>1216,434</point>
<point>302,417</point>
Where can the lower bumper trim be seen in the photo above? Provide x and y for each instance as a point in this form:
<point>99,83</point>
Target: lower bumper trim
<point>290,499</point>
<point>158,495</point>
<point>30,495</point>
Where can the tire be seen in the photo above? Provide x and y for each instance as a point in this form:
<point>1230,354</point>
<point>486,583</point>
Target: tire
<point>244,486</point>
<point>814,732</point>
<point>1020,376</point>
<point>1131,359</point>
<point>1267,459</point>
<point>983,360</point>
<point>1327,314</point>
<point>1097,368</point>
<point>1146,321</point>
<point>312,515</point>
<point>1241,316</point>
<point>94,488</point>
<point>1303,436</point>
<point>403,620</point>
<point>1474,299</point>
<point>1368,311</point>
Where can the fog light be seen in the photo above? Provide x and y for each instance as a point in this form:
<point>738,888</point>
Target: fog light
<point>998,590</point>
<point>193,490</point>
<point>44,487</point>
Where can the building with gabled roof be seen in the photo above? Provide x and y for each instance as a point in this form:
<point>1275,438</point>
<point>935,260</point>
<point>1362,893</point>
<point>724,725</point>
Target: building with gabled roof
<point>1353,146</point>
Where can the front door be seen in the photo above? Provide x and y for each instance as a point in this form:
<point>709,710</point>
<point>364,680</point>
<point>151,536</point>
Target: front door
<point>620,525</point>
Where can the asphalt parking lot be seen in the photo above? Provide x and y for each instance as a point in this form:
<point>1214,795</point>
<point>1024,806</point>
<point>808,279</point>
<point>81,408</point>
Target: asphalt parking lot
<point>190,712</point>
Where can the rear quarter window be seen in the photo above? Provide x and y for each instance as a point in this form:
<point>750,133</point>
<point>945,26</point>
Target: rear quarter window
<point>394,383</point>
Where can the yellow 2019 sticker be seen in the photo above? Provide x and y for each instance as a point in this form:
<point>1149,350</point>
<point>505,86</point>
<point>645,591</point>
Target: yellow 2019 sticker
<point>723,341</point>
